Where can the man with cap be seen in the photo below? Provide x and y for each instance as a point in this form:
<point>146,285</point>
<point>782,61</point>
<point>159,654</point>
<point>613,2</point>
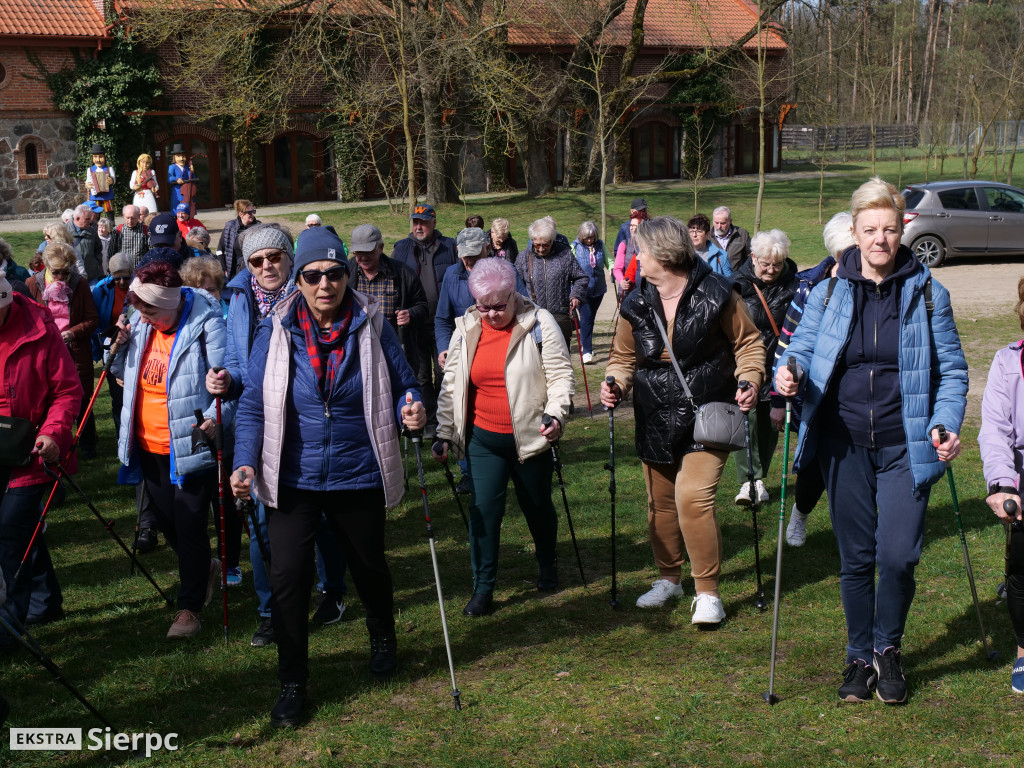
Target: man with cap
<point>183,215</point>
<point>263,282</point>
<point>428,253</point>
<point>181,179</point>
<point>165,235</point>
<point>402,300</point>
<point>637,209</point>
<point>733,240</point>
<point>94,178</point>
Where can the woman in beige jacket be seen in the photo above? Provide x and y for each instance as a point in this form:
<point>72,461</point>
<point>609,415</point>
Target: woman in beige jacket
<point>507,366</point>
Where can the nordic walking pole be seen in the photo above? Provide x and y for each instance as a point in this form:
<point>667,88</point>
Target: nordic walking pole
<point>405,463</point>
<point>992,654</point>
<point>22,637</point>
<point>107,524</point>
<point>759,600</point>
<point>74,444</point>
<point>546,421</point>
<point>417,439</point>
<point>248,507</point>
<point>438,448</point>
<point>218,445</point>
<point>615,323</point>
<point>610,466</point>
<point>770,696</point>
<point>579,348</point>
<point>1011,509</point>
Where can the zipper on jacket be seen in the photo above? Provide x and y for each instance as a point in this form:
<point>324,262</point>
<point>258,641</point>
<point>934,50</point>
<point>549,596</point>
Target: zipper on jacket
<point>871,374</point>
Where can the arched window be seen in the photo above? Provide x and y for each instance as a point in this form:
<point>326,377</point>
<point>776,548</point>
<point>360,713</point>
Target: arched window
<point>31,160</point>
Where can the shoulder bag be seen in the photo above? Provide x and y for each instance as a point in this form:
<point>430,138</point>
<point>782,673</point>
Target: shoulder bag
<point>717,426</point>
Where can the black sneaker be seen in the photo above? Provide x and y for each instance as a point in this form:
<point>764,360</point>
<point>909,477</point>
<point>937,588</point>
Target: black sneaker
<point>289,709</point>
<point>892,685</point>
<point>383,650</point>
<point>328,609</point>
<point>146,541</point>
<point>547,577</point>
<point>464,486</point>
<point>858,680</point>
<point>264,634</point>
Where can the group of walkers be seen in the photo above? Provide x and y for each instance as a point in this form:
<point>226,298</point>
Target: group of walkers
<point>316,355</point>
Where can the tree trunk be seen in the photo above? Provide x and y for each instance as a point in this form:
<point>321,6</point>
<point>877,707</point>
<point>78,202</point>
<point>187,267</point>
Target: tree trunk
<point>535,164</point>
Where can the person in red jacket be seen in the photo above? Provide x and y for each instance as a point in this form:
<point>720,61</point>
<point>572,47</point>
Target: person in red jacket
<point>40,384</point>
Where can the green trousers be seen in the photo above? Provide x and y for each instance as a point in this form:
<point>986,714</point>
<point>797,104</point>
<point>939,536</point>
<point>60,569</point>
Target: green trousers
<point>492,460</point>
<point>763,439</point>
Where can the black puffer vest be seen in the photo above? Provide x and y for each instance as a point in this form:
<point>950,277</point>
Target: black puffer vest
<point>779,295</point>
<point>664,415</point>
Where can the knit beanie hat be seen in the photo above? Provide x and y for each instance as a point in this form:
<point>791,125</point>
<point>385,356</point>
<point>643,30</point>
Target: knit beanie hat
<point>317,244</point>
<point>119,263</point>
<point>264,236</point>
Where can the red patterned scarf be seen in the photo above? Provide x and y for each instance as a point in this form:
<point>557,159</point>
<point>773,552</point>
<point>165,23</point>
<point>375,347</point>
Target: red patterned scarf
<point>326,350</point>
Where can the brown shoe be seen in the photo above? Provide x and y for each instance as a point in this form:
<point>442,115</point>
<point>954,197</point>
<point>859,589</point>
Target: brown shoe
<point>186,624</point>
<point>214,580</point>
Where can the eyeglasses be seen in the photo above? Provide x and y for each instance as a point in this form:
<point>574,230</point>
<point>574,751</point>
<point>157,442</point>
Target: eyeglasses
<point>314,276</point>
<point>272,258</point>
<point>764,264</point>
<point>125,279</point>
<point>483,309</point>
<point>697,229</point>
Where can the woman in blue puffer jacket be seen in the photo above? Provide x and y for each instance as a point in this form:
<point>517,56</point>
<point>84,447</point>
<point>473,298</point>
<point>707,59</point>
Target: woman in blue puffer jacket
<point>884,369</point>
<point>589,251</point>
<point>175,336</point>
<point>325,391</point>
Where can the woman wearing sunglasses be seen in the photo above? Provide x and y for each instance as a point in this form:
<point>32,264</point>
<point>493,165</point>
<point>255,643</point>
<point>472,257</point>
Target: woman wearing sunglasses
<point>66,294</point>
<point>507,366</point>
<point>317,428</point>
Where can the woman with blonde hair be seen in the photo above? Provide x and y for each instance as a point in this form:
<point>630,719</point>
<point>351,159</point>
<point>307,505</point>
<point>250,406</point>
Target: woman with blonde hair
<point>144,184</point>
<point>880,369</point>
<point>502,243</point>
<point>66,294</point>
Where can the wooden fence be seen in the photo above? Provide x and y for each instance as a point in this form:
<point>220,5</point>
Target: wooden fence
<point>808,139</point>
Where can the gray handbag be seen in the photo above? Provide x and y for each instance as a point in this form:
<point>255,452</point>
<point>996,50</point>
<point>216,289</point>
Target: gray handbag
<point>717,426</point>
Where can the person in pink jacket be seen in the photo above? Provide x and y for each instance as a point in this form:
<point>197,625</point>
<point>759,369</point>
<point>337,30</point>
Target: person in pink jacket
<point>38,383</point>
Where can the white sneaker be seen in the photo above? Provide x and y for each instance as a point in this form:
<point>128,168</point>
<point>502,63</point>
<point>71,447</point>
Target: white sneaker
<point>661,591</point>
<point>762,492</point>
<point>707,609</point>
<point>743,498</point>
<point>588,358</point>
<point>796,531</point>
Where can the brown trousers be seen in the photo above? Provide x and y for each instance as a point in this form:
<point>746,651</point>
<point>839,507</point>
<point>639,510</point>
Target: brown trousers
<point>681,515</point>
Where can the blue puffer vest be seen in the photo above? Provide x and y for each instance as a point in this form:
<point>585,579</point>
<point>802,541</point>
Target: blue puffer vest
<point>933,371</point>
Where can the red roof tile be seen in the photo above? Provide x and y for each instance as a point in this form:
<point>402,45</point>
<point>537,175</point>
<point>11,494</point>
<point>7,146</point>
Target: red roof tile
<point>51,18</point>
<point>674,24</point>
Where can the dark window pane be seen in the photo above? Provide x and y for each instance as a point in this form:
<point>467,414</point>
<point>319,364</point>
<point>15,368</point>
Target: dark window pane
<point>913,197</point>
<point>283,168</point>
<point>307,175</point>
<point>961,199</point>
<point>31,160</point>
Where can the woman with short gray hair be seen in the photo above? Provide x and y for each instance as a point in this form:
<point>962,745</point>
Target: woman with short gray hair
<point>554,279</point>
<point>716,344</point>
<point>767,282</point>
<point>589,252</point>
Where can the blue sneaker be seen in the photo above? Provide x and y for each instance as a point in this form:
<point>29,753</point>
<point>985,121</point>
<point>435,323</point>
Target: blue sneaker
<point>234,577</point>
<point>1017,676</point>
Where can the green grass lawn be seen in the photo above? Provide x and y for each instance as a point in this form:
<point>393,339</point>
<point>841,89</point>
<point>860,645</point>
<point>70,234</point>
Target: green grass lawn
<point>553,680</point>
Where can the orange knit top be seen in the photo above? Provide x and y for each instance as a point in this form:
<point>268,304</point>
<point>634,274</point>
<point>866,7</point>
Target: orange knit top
<point>488,398</point>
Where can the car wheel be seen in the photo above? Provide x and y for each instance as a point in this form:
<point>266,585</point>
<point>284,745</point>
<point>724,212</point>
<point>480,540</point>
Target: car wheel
<point>929,250</point>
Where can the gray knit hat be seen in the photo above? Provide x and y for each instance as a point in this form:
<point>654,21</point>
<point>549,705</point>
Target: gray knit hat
<point>264,236</point>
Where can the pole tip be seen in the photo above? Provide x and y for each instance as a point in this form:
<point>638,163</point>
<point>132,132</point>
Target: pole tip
<point>770,697</point>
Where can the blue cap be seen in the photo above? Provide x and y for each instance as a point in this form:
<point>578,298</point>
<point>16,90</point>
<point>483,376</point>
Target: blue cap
<point>423,211</point>
<point>317,244</point>
<point>162,230</point>
<point>182,207</point>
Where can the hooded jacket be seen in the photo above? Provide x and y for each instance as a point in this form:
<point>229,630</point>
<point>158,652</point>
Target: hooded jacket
<point>538,378</point>
<point>198,346</point>
<point>40,380</point>
<point>931,377</point>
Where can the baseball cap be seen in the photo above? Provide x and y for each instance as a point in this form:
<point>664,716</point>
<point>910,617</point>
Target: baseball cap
<point>423,211</point>
<point>182,207</point>
<point>638,204</point>
<point>365,237</point>
<point>162,229</point>
<point>470,242</point>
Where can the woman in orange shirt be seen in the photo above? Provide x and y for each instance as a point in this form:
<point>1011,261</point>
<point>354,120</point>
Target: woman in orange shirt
<point>507,366</point>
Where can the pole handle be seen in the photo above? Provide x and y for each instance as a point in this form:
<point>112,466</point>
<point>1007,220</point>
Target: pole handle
<point>546,420</point>
<point>943,434</point>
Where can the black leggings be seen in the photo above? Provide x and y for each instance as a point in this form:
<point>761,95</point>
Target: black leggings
<point>1015,582</point>
<point>357,520</point>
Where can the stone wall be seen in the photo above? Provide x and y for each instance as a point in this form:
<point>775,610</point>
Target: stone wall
<point>54,185</point>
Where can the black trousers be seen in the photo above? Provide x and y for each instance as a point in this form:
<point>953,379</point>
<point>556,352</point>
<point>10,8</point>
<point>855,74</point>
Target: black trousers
<point>1015,583</point>
<point>182,515</point>
<point>357,520</point>
<point>428,374</point>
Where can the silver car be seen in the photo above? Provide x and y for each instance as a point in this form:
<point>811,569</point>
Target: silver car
<point>963,218</point>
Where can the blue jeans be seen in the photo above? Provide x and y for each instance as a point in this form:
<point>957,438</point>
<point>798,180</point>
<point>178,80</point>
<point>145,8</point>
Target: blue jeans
<point>878,520</point>
<point>330,562</point>
<point>19,512</point>
<point>588,311</point>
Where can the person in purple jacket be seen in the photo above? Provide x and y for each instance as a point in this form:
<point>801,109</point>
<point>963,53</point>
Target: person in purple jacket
<point>1002,454</point>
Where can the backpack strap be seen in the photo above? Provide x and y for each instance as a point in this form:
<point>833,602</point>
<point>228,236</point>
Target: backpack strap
<point>831,287</point>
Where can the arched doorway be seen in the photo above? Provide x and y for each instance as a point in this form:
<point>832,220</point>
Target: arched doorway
<point>211,162</point>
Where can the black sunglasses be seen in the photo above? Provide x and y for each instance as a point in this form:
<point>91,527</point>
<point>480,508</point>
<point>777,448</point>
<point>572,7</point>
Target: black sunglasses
<point>125,279</point>
<point>250,213</point>
<point>257,261</point>
<point>314,276</point>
